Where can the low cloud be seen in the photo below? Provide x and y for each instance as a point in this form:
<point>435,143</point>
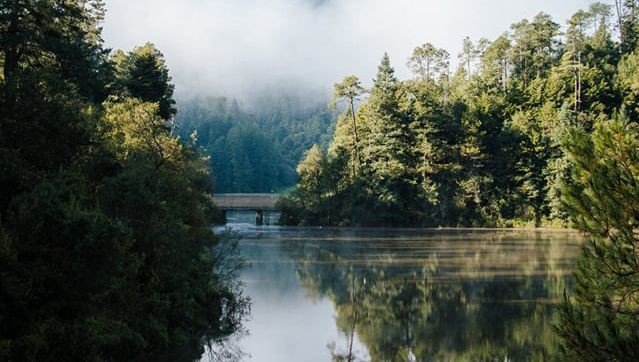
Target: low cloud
<point>240,47</point>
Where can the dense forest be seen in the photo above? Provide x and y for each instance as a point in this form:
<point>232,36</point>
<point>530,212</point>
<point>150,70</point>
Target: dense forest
<point>255,149</point>
<point>106,246</point>
<point>534,128</point>
<point>106,250</point>
<point>479,147</point>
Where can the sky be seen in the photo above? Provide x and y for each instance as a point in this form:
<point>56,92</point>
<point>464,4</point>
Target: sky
<point>241,47</point>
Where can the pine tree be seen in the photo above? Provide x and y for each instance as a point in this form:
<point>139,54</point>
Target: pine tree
<point>388,151</point>
<point>143,74</point>
<point>600,320</point>
<point>350,91</point>
<point>429,62</point>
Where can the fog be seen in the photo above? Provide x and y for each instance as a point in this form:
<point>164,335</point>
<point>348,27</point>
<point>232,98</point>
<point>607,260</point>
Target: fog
<point>239,48</point>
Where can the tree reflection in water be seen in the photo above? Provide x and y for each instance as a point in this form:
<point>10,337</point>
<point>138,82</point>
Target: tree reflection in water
<point>444,296</point>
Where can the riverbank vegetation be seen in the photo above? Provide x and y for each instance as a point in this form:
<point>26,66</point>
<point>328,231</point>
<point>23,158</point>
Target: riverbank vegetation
<point>482,146</point>
<point>533,128</point>
<point>106,251</point>
<point>600,320</point>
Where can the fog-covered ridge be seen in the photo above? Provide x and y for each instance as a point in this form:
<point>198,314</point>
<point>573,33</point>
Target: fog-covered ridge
<point>242,47</point>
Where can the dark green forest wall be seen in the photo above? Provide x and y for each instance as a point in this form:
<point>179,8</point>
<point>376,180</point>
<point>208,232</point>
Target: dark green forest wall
<point>106,247</point>
<point>255,149</point>
<point>481,146</point>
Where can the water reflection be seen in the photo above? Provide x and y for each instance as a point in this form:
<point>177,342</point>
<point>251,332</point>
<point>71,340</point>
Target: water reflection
<point>412,295</point>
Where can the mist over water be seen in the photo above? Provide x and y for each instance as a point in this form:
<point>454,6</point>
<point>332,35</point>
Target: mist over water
<point>403,294</point>
<point>245,48</point>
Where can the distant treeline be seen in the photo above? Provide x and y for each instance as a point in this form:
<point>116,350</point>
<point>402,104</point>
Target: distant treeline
<point>482,146</point>
<point>255,151</point>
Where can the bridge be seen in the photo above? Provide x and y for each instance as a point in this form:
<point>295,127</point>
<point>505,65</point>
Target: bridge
<point>260,208</point>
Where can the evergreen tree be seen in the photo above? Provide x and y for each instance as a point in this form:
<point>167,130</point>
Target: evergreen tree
<point>481,147</point>
<point>106,251</point>
<point>535,48</point>
<point>387,154</point>
<point>599,321</point>
<point>350,90</point>
<point>255,151</point>
<point>627,81</point>
<point>143,74</point>
<point>496,66</point>
<point>430,62</point>
<point>628,24</point>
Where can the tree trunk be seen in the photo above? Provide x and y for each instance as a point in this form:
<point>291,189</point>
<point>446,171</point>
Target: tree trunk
<point>359,160</point>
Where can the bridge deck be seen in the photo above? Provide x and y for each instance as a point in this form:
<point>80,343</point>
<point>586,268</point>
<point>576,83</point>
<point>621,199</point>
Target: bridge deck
<point>246,201</point>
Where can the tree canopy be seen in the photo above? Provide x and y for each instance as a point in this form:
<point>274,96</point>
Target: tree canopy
<point>480,146</point>
<point>106,251</point>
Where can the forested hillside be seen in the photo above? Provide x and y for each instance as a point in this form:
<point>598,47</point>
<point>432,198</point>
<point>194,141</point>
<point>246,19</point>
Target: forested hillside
<point>106,250</point>
<point>255,149</point>
<point>481,146</point>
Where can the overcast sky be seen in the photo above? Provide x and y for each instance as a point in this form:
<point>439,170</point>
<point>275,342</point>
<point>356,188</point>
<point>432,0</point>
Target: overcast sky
<point>233,47</point>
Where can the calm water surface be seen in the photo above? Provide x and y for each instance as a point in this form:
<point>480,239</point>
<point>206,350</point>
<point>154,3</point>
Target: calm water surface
<point>403,294</point>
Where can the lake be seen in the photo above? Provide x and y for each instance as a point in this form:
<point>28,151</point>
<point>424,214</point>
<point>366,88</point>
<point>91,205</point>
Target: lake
<point>403,294</point>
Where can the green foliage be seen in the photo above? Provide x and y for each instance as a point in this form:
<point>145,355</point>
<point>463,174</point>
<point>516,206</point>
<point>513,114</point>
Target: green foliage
<point>481,147</point>
<point>427,61</point>
<point>386,157</point>
<point>312,189</point>
<point>628,23</point>
<point>142,74</point>
<point>535,48</point>
<point>106,251</point>
<point>628,82</point>
<point>599,321</point>
<point>350,89</point>
<point>254,152</point>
